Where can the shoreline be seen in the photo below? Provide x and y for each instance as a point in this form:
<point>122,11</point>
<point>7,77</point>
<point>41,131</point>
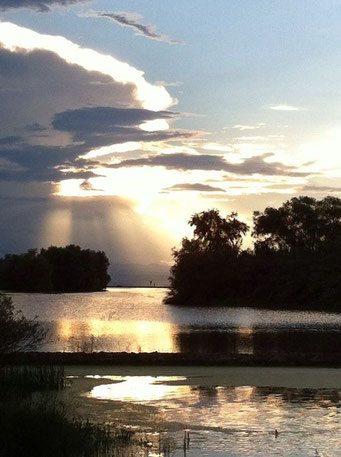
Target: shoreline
<point>265,359</point>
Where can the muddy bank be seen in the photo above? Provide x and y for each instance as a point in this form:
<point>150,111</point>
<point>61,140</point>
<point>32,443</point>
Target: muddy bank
<point>175,359</point>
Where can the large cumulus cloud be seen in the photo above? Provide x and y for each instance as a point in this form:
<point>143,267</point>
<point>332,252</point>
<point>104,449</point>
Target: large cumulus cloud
<point>53,112</point>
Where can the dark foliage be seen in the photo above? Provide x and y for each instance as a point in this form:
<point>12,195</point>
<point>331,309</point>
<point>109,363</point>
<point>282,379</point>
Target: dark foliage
<point>56,269</point>
<point>44,428</point>
<point>295,263</point>
<point>17,333</point>
<point>35,422</point>
<point>22,381</point>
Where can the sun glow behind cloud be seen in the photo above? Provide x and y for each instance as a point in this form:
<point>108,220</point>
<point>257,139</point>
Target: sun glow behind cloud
<point>153,97</point>
<point>115,148</point>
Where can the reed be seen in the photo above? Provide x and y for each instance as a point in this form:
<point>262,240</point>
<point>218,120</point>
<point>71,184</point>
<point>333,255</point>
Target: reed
<point>22,381</point>
<point>44,429</point>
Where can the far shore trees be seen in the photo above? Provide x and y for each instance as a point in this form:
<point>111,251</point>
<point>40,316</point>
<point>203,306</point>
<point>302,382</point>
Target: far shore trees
<point>56,269</point>
<point>295,262</point>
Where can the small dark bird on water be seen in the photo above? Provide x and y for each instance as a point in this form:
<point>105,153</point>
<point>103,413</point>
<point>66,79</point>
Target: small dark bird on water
<point>276,433</point>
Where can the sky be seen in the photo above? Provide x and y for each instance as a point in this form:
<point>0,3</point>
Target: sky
<point>120,119</point>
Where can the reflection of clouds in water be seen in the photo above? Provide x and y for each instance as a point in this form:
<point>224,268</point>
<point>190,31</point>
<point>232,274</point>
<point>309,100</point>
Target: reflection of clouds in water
<point>241,419</point>
<point>139,389</point>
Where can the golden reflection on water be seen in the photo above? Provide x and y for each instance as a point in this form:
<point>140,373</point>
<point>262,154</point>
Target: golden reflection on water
<point>139,389</point>
<point>245,340</point>
<point>134,336</point>
<point>243,407</point>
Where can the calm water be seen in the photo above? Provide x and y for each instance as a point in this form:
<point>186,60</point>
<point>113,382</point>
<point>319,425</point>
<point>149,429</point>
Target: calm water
<point>230,412</point>
<point>137,320</point>
<point>224,417</point>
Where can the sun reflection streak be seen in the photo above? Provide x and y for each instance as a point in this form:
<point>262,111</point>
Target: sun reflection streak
<point>139,389</point>
<point>136,336</point>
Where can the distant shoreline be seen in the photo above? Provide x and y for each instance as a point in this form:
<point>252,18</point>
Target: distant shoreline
<point>136,287</point>
<point>266,359</point>
<point>3,291</point>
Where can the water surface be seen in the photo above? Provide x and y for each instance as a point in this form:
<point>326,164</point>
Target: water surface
<point>224,416</point>
<point>136,320</point>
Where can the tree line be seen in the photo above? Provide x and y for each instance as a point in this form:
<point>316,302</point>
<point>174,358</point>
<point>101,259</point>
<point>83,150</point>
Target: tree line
<point>295,261</point>
<point>56,269</point>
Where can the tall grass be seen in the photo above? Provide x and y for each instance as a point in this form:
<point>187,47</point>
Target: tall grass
<point>23,381</point>
<point>41,425</point>
<point>45,430</point>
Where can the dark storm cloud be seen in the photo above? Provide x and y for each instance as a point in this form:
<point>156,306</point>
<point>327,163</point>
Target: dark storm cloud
<point>38,84</point>
<point>103,126</point>
<point>8,140</point>
<point>41,163</point>
<point>36,127</point>
<point>103,119</point>
<point>34,86</point>
<point>197,187</point>
<point>43,6</point>
<point>52,113</point>
<point>133,21</point>
<point>184,162</point>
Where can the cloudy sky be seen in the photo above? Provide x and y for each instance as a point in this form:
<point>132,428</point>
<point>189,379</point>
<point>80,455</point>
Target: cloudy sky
<point>121,118</point>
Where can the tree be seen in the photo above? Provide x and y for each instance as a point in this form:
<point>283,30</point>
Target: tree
<point>204,266</point>
<point>55,269</point>
<point>302,224</point>
<point>17,333</point>
<point>213,232</point>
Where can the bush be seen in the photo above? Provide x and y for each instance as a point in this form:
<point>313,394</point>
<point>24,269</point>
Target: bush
<point>17,333</point>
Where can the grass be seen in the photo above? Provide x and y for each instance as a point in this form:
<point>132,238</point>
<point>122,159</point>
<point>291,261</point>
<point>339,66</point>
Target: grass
<point>44,429</point>
<point>23,381</point>
<point>42,425</point>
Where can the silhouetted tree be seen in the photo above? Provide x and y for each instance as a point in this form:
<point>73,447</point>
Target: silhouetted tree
<point>295,263</point>
<point>56,269</point>
<point>212,232</point>
<point>203,262</point>
<point>300,224</point>
<point>17,333</point>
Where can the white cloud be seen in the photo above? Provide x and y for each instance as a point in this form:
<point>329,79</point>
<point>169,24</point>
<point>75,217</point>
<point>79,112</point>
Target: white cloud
<point>153,97</point>
<point>284,108</point>
<point>248,127</point>
<point>216,147</point>
<point>115,148</point>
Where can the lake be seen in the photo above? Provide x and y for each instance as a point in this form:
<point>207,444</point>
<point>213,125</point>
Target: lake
<point>136,320</point>
<point>229,412</point>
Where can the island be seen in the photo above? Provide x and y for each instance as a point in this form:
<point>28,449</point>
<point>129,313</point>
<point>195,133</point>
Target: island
<point>55,269</point>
